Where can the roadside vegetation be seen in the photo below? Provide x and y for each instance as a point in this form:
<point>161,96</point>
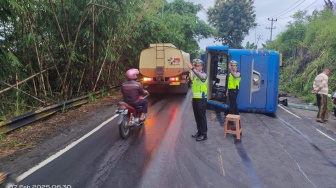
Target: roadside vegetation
<point>308,45</point>
<point>52,51</point>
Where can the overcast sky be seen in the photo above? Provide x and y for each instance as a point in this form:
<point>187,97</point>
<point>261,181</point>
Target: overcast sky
<point>264,9</point>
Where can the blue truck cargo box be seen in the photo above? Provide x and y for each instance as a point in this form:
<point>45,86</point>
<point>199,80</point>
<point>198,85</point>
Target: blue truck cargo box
<point>259,83</point>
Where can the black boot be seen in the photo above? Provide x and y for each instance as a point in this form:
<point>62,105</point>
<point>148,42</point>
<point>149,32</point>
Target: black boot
<point>202,137</point>
<point>196,135</point>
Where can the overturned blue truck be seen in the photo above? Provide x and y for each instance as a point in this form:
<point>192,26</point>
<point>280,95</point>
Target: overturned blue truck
<point>259,83</point>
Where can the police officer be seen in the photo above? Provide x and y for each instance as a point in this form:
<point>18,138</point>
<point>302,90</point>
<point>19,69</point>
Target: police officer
<point>233,87</point>
<point>199,98</point>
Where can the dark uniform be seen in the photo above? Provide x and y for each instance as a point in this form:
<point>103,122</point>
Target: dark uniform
<point>199,102</point>
<point>233,89</point>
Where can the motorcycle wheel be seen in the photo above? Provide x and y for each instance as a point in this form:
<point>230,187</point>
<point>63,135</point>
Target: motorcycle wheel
<point>335,112</point>
<point>9,181</point>
<point>124,128</point>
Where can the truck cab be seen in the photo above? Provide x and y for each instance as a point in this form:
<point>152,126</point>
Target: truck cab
<point>259,70</point>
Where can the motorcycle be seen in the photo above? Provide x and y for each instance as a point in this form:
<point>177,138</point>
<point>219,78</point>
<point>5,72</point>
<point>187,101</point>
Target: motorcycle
<point>129,116</point>
<point>7,180</point>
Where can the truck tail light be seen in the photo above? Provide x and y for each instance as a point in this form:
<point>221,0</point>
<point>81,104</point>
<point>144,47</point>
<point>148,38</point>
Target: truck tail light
<point>145,79</point>
<point>174,79</point>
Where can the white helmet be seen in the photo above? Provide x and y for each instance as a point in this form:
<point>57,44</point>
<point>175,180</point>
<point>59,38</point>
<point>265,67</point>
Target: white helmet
<point>233,62</point>
<point>198,61</point>
<point>132,74</point>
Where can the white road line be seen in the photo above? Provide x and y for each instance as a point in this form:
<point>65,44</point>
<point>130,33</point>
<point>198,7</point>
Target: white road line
<point>59,153</point>
<point>298,165</point>
<point>325,135</point>
<point>289,112</point>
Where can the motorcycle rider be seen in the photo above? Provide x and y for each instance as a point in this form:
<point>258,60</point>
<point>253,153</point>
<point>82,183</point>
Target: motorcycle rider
<point>132,90</point>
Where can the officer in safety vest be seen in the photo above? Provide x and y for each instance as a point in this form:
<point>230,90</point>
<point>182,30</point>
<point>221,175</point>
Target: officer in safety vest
<point>233,87</point>
<point>199,98</point>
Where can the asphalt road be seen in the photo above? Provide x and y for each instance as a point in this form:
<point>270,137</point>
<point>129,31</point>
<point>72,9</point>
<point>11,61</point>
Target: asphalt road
<point>288,150</point>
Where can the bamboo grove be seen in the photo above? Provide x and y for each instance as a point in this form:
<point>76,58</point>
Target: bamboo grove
<point>55,50</point>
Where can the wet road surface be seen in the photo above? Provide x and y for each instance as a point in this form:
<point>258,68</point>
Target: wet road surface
<point>283,151</point>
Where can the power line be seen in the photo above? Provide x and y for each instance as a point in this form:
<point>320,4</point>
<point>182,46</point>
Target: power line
<point>291,9</point>
<point>287,8</point>
<point>263,24</point>
<point>310,5</point>
<point>281,11</point>
<point>303,9</point>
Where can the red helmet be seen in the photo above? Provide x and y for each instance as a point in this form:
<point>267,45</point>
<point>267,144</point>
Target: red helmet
<point>131,74</point>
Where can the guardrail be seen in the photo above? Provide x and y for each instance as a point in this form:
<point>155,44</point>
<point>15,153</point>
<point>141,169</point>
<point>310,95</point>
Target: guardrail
<point>30,117</point>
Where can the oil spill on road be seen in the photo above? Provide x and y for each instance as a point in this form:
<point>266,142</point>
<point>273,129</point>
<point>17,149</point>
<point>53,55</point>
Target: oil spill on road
<point>323,154</point>
<point>308,140</point>
<point>247,163</point>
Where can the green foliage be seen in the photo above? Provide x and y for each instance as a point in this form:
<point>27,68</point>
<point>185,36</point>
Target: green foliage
<point>250,45</point>
<point>18,111</point>
<point>103,93</point>
<point>232,20</point>
<point>175,23</point>
<point>2,136</point>
<point>66,49</point>
<point>288,40</point>
<point>308,45</point>
<point>92,98</point>
<point>64,108</point>
<point>15,143</point>
<point>3,118</point>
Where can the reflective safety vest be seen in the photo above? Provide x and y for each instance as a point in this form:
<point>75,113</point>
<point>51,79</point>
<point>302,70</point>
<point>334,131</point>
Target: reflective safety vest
<point>199,88</point>
<point>233,82</point>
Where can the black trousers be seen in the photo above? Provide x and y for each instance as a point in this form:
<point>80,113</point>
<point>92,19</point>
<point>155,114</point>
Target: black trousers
<point>199,108</point>
<point>233,93</point>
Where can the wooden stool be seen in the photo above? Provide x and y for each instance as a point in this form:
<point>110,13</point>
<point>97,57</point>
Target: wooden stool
<point>236,119</point>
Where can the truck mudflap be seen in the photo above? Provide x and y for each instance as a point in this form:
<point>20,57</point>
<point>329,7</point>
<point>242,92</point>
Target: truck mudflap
<point>161,88</point>
<point>175,83</point>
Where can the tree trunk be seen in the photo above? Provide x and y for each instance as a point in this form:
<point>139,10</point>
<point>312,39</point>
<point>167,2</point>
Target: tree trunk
<point>80,81</point>
<point>58,25</point>
<point>48,82</point>
<point>24,81</point>
<point>102,65</point>
<point>46,42</point>
<point>93,33</point>
<point>34,84</point>
<point>23,91</point>
<point>17,93</point>
<point>38,61</point>
<point>66,21</point>
<point>291,75</point>
<point>67,67</point>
